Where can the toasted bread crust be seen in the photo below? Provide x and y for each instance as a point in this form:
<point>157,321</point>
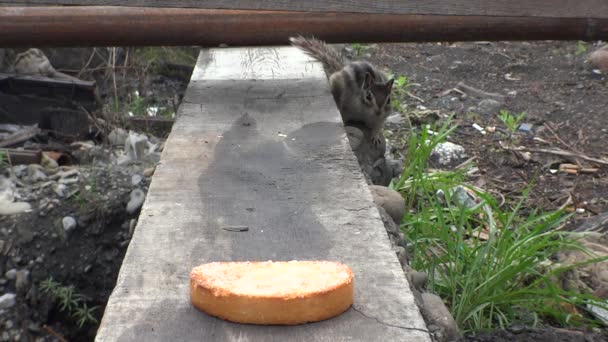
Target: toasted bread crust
<point>323,296</point>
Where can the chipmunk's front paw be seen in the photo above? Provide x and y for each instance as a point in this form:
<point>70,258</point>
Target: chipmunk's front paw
<point>376,141</point>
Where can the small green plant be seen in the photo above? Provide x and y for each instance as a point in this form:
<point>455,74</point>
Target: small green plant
<point>510,120</point>
<point>581,48</point>
<point>400,89</point>
<point>4,159</point>
<point>137,105</point>
<point>70,301</point>
<point>359,49</point>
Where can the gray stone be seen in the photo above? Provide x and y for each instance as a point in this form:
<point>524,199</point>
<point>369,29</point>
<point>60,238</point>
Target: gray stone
<point>11,274</point>
<point>418,279</point>
<point>435,312</point>
<point>8,190</point>
<point>35,173</point>
<point>463,197</point>
<point>136,179</point>
<point>136,200</point>
<point>69,223</point>
<point>12,208</point>
<point>60,189</point>
<point>135,145</point>
<point>149,171</point>
<point>390,200</point>
<point>7,300</point>
<point>395,166</point>
<point>9,324</point>
<point>20,170</point>
<point>33,327</point>
<point>395,119</point>
<point>22,281</point>
<point>118,136</point>
<point>447,153</point>
<point>525,127</point>
<point>488,106</point>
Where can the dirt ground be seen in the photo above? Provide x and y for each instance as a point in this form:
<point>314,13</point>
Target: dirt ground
<point>565,101</point>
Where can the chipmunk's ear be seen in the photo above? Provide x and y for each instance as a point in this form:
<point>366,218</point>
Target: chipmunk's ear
<point>389,84</point>
<point>367,82</point>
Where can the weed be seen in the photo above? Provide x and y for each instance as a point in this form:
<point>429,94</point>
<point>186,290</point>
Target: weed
<point>414,181</point>
<point>581,48</point>
<point>359,49</point>
<point>70,301</point>
<point>154,57</point>
<point>511,121</point>
<point>137,105</point>
<point>400,89</point>
<point>4,162</point>
<point>492,281</point>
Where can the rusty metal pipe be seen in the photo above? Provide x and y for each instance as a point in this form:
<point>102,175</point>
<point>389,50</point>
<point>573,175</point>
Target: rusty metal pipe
<point>137,26</point>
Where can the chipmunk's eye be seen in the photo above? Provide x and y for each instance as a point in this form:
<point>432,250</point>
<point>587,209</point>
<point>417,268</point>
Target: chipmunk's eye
<point>388,101</point>
<point>368,97</point>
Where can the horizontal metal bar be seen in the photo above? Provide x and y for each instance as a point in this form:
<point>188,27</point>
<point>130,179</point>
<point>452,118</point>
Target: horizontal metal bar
<point>137,26</point>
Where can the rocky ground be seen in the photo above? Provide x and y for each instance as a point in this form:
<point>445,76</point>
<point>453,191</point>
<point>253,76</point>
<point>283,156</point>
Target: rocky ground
<point>78,219</point>
<point>71,224</point>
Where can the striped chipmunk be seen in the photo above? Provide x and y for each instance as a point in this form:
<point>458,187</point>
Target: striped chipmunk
<point>362,92</point>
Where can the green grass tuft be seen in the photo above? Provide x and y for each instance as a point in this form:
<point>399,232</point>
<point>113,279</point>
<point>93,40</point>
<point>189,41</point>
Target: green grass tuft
<point>492,281</point>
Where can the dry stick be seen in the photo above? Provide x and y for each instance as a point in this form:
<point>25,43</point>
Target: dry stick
<point>559,139</point>
<point>479,93</point>
<point>414,96</point>
<point>53,333</point>
<point>86,64</point>
<point>559,152</point>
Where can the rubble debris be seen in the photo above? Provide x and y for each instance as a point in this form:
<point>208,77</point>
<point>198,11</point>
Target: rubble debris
<point>26,133</point>
<point>21,157</point>
<point>479,128</point>
<point>35,62</point>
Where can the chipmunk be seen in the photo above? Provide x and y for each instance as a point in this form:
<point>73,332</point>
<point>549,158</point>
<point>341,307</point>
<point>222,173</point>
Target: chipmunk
<point>362,92</point>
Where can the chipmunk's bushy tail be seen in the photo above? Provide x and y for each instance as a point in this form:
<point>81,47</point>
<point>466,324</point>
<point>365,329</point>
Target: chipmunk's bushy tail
<point>331,59</point>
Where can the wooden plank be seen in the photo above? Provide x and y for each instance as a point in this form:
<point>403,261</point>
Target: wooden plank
<point>523,8</point>
<point>257,142</point>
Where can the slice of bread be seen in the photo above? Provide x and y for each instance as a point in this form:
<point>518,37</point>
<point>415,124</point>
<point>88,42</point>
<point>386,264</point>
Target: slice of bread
<point>282,293</point>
